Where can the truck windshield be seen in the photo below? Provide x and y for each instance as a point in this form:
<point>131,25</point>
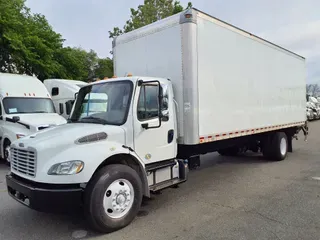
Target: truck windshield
<point>15,105</point>
<point>103,103</point>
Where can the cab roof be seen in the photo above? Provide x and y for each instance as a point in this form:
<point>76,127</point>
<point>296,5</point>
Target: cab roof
<point>133,79</point>
<point>17,85</point>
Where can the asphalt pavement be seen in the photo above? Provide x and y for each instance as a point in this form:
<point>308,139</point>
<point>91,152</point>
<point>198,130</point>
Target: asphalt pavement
<point>227,198</point>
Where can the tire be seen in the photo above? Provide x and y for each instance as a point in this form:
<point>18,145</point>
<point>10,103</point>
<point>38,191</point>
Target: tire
<point>107,185</point>
<point>277,148</point>
<point>6,152</point>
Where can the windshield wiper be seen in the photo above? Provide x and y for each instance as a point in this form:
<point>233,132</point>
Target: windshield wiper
<point>40,112</point>
<point>93,120</point>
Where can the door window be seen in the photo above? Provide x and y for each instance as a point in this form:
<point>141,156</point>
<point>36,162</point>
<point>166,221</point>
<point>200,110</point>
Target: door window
<point>148,103</point>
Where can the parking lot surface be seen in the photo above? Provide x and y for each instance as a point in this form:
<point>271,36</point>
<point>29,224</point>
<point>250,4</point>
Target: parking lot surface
<point>228,198</point>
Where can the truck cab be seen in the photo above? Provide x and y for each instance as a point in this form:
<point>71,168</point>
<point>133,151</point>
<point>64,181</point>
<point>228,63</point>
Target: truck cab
<point>25,108</point>
<point>121,130</point>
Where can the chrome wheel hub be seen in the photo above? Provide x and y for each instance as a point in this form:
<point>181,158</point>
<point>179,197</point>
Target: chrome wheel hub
<point>118,199</point>
<point>283,146</point>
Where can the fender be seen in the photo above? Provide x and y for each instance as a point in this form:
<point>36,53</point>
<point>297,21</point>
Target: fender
<point>142,169</point>
<point>11,138</point>
<point>137,160</point>
<point>10,131</point>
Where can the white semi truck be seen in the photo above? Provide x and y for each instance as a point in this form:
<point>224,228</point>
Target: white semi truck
<point>63,93</point>
<point>203,86</point>
<point>25,107</point>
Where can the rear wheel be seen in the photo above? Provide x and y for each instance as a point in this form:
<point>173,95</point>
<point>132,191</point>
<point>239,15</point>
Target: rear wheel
<point>113,198</point>
<point>276,147</point>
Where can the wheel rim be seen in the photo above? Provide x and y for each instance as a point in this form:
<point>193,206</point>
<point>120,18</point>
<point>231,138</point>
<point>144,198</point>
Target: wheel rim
<point>7,153</point>
<point>283,146</point>
<point>118,199</point>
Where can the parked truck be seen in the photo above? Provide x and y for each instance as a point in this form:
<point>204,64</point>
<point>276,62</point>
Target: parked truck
<point>200,85</point>
<point>25,107</point>
<point>63,93</point>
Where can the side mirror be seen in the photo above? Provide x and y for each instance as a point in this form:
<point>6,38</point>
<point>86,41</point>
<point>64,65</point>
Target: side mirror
<point>15,119</point>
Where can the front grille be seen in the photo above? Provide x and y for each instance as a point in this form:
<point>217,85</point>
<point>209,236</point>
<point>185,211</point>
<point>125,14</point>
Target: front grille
<point>23,161</point>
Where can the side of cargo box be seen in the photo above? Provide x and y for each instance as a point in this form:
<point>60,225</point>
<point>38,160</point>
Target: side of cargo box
<point>231,87</point>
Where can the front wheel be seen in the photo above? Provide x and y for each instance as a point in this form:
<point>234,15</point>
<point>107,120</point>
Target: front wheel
<point>6,151</point>
<point>113,198</point>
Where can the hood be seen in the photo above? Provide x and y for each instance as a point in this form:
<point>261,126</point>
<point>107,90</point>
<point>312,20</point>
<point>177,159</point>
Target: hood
<point>63,136</point>
<point>40,121</point>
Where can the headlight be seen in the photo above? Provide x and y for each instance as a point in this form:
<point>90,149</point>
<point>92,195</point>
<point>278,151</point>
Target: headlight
<point>20,136</point>
<point>66,168</point>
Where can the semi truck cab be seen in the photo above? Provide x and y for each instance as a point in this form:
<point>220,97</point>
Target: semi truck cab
<point>129,147</point>
<point>26,107</point>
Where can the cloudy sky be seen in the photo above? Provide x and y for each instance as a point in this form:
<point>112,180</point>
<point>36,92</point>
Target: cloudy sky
<point>293,24</point>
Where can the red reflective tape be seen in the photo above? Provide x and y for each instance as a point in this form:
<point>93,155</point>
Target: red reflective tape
<point>218,135</point>
<point>236,132</point>
<point>224,134</point>
<point>230,133</point>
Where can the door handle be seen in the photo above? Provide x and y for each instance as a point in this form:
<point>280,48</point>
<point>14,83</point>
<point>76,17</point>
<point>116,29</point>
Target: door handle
<point>170,135</point>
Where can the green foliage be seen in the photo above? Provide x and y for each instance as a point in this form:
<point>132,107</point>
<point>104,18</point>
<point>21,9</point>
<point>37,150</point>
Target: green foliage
<point>151,11</point>
<point>104,68</point>
<point>29,45</point>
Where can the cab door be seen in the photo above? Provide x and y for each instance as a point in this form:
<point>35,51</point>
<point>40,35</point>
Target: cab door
<point>154,133</point>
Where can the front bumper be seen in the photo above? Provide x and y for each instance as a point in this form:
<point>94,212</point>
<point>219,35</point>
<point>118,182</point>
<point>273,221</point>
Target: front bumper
<point>54,198</point>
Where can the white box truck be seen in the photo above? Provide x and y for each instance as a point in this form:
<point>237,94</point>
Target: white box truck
<point>63,93</point>
<point>205,86</point>
<point>25,107</point>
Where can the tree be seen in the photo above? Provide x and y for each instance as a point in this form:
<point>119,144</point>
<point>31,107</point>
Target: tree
<point>72,63</point>
<point>12,24</point>
<point>151,11</point>
<point>104,68</point>
<point>27,42</point>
